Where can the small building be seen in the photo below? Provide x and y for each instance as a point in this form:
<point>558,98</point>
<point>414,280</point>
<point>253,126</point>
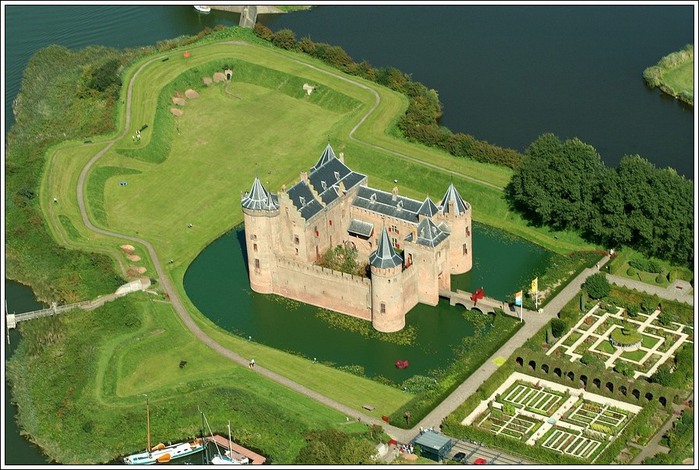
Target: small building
<point>433,445</point>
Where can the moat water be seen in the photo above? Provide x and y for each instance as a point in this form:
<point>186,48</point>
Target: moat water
<point>217,283</point>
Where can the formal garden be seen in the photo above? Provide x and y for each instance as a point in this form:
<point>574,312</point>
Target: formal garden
<point>631,343</point>
<point>559,418</point>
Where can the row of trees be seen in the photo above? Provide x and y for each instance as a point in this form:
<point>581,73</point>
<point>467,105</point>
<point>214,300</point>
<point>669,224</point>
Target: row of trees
<point>565,185</point>
<point>420,123</point>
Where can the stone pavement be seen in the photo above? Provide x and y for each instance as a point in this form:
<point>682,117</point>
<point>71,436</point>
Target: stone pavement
<point>680,291</point>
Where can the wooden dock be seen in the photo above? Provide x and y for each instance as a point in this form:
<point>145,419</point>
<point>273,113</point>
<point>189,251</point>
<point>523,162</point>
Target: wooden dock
<point>255,459</point>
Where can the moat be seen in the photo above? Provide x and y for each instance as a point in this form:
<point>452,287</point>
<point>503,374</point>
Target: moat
<point>217,283</point>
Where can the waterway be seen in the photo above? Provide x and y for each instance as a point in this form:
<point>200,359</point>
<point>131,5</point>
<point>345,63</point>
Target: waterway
<point>505,74</point>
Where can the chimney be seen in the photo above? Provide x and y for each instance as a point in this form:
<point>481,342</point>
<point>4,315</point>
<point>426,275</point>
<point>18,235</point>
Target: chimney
<point>304,177</point>
<point>341,157</point>
<point>394,193</point>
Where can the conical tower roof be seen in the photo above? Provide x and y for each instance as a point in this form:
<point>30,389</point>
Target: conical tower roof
<point>328,154</point>
<point>452,195</point>
<point>428,234</point>
<point>259,198</point>
<point>428,208</point>
<point>385,256</point>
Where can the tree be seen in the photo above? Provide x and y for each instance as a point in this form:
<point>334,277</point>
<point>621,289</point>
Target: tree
<point>557,182</point>
<point>558,327</point>
<point>597,286</point>
<point>624,368</point>
<point>285,38</point>
<point>357,451</point>
<point>315,452</point>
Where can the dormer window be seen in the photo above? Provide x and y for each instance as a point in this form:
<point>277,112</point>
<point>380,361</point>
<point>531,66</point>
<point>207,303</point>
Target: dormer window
<point>372,198</point>
<point>337,175</point>
<point>324,185</point>
<point>399,206</point>
<point>302,200</point>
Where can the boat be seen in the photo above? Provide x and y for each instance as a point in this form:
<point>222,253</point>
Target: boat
<point>202,8</point>
<point>162,453</point>
<point>230,457</point>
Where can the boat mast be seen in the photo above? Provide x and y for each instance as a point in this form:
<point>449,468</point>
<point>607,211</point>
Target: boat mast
<point>148,424</point>
<point>230,449</point>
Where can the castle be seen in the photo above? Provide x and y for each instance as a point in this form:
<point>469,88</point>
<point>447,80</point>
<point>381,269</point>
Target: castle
<point>287,233</point>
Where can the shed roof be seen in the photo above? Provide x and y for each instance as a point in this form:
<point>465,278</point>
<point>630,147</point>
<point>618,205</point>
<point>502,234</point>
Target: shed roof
<point>434,441</point>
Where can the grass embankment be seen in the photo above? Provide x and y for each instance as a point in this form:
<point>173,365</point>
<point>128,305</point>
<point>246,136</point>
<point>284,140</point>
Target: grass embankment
<point>665,274</point>
<point>192,170</point>
<point>674,74</point>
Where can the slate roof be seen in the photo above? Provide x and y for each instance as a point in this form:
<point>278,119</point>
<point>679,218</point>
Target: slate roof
<point>429,234</point>
<point>358,227</point>
<point>453,195</point>
<point>428,208</point>
<point>259,198</point>
<point>385,256</point>
<point>324,179</point>
<point>382,202</point>
<point>328,154</point>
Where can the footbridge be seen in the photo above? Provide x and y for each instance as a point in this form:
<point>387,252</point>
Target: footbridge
<point>484,305</point>
<point>11,319</point>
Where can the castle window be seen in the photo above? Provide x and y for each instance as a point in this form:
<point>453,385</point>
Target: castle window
<point>257,263</point>
<point>330,222</point>
<point>297,251</point>
<point>394,229</point>
<point>394,241</point>
<point>254,247</point>
<point>465,249</point>
<point>253,236</point>
<point>296,239</point>
<point>315,229</point>
<point>409,260</point>
<point>468,232</point>
<point>383,307</point>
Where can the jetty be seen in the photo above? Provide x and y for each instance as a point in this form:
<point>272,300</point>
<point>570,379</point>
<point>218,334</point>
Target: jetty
<point>255,459</point>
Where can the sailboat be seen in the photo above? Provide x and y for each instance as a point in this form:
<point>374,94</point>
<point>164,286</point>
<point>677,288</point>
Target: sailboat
<point>162,453</point>
<point>230,457</point>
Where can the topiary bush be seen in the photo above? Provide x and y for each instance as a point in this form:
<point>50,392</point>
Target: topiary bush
<point>631,272</point>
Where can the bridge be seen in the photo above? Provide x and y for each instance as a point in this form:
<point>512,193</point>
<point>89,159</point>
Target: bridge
<point>11,319</point>
<point>248,13</point>
<point>483,305</point>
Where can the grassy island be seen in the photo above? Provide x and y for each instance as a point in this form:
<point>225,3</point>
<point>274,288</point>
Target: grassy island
<point>674,74</point>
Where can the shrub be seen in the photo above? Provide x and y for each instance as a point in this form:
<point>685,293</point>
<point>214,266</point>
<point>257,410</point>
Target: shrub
<point>285,38</point>
<point>597,286</point>
<point>660,278</point>
<point>558,327</point>
<point>648,266</point>
<point>631,271</point>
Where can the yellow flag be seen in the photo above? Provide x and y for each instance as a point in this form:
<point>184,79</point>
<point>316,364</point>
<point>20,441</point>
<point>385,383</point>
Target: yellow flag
<point>535,284</point>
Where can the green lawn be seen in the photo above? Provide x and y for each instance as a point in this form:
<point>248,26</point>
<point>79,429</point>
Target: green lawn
<point>680,78</point>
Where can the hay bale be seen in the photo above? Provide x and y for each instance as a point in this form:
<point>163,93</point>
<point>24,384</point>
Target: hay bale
<point>177,112</point>
<point>127,248</point>
<point>219,77</point>
<point>141,270</point>
<point>208,81</point>
<point>179,101</point>
<point>191,94</point>
<point>134,257</point>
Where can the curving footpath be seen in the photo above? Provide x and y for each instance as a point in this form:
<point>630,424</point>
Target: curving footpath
<point>534,320</point>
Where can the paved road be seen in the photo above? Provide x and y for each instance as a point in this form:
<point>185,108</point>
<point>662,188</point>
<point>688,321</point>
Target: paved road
<point>534,321</point>
<point>670,293</point>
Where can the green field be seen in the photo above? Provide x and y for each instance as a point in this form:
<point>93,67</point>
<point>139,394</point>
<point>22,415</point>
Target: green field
<point>192,170</point>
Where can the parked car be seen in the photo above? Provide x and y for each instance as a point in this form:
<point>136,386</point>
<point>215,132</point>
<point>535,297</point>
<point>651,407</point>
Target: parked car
<point>480,461</point>
<point>459,457</point>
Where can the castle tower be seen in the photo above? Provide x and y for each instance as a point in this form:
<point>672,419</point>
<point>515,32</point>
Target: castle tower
<point>457,214</point>
<point>386,287</point>
<point>260,215</point>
